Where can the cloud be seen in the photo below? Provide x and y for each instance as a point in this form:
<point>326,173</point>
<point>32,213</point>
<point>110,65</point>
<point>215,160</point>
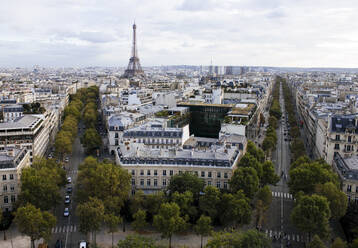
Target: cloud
<point>237,32</point>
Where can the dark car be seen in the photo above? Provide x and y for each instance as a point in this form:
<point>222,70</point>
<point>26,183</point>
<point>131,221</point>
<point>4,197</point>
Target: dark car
<point>69,189</point>
<point>58,244</point>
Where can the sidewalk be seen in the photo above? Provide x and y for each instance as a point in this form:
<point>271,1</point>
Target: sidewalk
<point>14,239</point>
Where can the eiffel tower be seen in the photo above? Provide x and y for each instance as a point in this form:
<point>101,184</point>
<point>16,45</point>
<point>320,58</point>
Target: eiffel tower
<point>134,68</point>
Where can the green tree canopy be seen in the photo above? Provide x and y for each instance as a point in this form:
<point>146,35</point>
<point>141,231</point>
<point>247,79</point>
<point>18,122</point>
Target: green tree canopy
<point>306,176</point>
<point>168,220</point>
<point>338,243</point>
<point>185,202</point>
<point>105,181</point>
<point>235,209</point>
<point>209,202</point>
<point>34,223</point>
<point>203,227</point>
<point>255,151</point>
<point>186,182</point>
<point>316,242</point>
<point>63,143</point>
<point>139,222</point>
<point>250,161</point>
<point>135,241</point>
<point>40,184</point>
<point>91,140</point>
<point>337,199</point>
<point>311,215</point>
<point>91,215</point>
<point>245,179</point>
<point>268,174</point>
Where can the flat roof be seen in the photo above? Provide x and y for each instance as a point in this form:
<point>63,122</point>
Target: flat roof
<point>26,121</point>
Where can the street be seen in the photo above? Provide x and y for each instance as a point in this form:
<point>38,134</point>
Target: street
<point>67,228</point>
<point>277,225</point>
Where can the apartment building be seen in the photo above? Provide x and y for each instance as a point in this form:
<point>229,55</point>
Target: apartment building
<point>347,169</point>
<point>151,168</point>
<point>12,161</point>
<point>29,131</point>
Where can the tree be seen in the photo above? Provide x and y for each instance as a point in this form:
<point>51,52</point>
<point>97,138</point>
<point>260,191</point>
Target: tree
<point>268,144</point>
<point>186,181</point>
<point>247,239</point>
<point>306,176</point>
<point>262,203</point>
<point>135,241</point>
<point>273,122</point>
<point>91,215</point>
<point>316,243</point>
<point>139,222</point>
<point>262,119</point>
<point>63,143</point>
<point>268,174</point>
<point>250,161</point>
<point>72,110</point>
<point>34,223</point>
<point>41,187</point>
<point>209,202</point>
<point>338,243</point>
<point>311,215</point>
<point>91,140</point>
<point>354,244</point>
<point>105,181</point>
<point>337,199</point>
<point>255,152</point>
<point>185,202</point>
<point>112,221</point>
<point>168,220</point>
<point>245,179</point>
<point>235,209</point>
<point>203,227</point>
<point>70,125</point>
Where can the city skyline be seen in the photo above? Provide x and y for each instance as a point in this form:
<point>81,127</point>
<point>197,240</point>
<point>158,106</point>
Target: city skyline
<point>255,33</point>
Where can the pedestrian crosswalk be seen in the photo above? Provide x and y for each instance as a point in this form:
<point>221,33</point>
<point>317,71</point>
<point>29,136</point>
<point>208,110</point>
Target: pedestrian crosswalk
<point>64,229</point>
<point>282,195</point>
<point>286,236</point>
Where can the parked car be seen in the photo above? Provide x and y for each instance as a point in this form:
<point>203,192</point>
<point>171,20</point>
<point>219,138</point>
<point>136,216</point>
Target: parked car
<point>69,179</point>
<point>83,244</point>
<point>67,159</point>
<point>67,199</point>
<point>69,189</point>
<point>66,213</point>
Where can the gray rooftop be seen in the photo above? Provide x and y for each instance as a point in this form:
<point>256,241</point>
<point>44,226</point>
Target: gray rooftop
<point>26,122</point>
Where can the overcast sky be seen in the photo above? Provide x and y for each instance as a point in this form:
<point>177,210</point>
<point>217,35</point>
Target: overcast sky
<point>304,33</point>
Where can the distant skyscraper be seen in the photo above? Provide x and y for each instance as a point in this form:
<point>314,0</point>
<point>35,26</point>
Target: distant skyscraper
<point>228,70</point>
<point>134,68</point>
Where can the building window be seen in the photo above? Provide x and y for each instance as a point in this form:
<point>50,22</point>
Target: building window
<point>141,182</point>
<point>4,188</point>
<point>148,182</point>
<point>209,183</point>
<point>196,173</point>
<point>338,137</point>
<point>116,142</point>
<point>336,146</point>
<point>218,185</point>
<point>6,199</point>
<point>225,175</point>
<point>133,181</point>
<point>164,172</point>
<point>209,174</point>
<point>218,174</point>
<point>3,177</point>
<point>356,189</point>
<point>12,187</point>
<point>133,172</point>
<point>164,182</point>
<point>349,139</point>
<point>11,176</point>
<point>225,185</point>
<point>349,188</point>
<point>141,172</point>
<point>155,173</point>
<point>13,198</point>
<point>116,135</point>
<point>155,182</point>
<point>203,174</point>
<point>171,172</point>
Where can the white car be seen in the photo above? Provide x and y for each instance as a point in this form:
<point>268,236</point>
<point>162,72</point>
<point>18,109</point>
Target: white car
<point>66,213</point>
<point>69,179</point>
<point>67,159</point>
<point>67,199</point>
<point>83,244</point>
